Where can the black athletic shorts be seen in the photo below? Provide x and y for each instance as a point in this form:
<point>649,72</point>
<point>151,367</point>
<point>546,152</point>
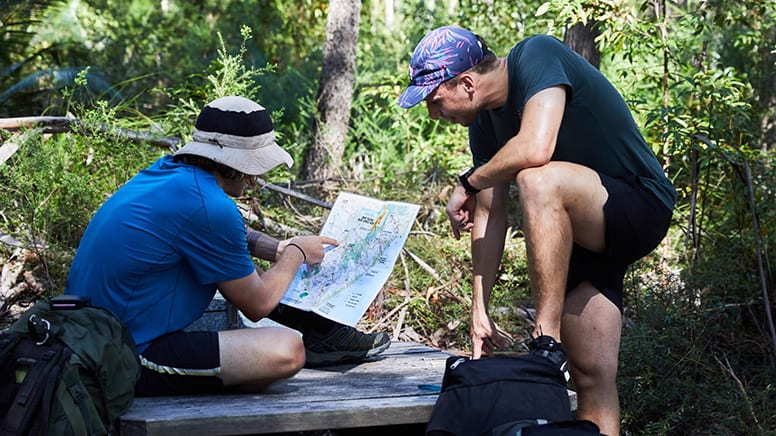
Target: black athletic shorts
<point>181,363</point>
<point>636,222</point>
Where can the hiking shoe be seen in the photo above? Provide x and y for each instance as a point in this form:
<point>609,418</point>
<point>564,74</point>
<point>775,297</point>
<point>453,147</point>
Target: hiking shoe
<point>343,345</point>
<point>551,350</point>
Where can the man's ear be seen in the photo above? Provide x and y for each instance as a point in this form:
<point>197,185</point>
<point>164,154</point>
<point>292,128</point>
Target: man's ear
<point>467,81</point>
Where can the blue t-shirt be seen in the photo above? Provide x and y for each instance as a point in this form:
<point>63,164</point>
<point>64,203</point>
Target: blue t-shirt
<point>152,254</point>
<point>597,129</point>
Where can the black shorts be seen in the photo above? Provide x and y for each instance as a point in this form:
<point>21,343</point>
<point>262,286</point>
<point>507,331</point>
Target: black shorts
<point>181,363</point>
<point>636,222</point>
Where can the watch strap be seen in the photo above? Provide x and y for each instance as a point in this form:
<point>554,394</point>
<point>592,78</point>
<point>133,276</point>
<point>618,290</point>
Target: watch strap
<point>464,179</point>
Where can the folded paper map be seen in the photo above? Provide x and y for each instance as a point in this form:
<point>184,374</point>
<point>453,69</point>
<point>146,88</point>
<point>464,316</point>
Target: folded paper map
<point>371,234</point>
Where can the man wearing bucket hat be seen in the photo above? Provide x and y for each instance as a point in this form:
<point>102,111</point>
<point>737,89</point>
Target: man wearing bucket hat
<point>156,252</point>
<point>593,196</point>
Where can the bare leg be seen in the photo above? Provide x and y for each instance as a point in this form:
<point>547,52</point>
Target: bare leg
<point>591,335</point>
<point>562,203</point>
<point>254,358</point>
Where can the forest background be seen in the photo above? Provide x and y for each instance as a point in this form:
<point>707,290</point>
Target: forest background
<point>698,348</point>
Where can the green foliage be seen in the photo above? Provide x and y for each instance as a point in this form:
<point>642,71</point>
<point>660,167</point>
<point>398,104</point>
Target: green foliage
<point>226,75</point>
<point>394,143</point>
<point>33,73</point>
<point>500,22</point>
<point>687,367</point>
<point>143,46</point>
<point>52,185</point>
<point>699,78</point>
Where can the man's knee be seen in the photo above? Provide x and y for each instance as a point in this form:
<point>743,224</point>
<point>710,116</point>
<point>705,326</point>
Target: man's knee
<point>592,370</point>
<point>260,355</point>
<point>288,355</point>
<point>296,357</point>
<point>592,374</point>
<point>534,183</point>
<point>556,180</point>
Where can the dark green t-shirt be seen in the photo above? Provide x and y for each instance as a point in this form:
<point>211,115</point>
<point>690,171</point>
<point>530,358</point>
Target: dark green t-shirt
<point>597,130</point>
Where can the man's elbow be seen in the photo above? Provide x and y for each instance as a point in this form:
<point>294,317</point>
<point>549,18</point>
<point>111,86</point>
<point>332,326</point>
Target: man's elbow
<point>542,148</point>
<point>542,156</point>
<point>258,311</point>
<point>533,162</point>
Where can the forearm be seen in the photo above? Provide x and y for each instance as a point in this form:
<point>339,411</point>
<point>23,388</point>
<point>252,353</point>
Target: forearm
<point>257,295</point>
<point>534,144</point>
<point>276,280</point>
<point>516,155</point>
<point>488,234</point>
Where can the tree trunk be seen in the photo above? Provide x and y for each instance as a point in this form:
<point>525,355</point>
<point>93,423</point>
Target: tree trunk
<point>581,38</point>
<point>335,91</point>
<point>390,9</point>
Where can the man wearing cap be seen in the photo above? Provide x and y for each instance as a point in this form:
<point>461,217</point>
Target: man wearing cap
<point>156,252</point>
<point>593,196</point>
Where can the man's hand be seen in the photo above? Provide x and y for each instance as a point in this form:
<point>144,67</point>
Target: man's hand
<point>486,336</point>
<point>460,211</point>
<point>312,247</point>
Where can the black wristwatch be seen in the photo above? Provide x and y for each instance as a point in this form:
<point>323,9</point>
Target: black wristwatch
<point>464,179</point>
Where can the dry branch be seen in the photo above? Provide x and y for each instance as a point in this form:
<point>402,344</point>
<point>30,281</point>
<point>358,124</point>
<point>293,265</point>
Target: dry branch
<point>9,240</point>
<point>67,124</point>
<point>48,124</point>
<point>295,194</point>
<point>7,150</point>
<point>744,394</point>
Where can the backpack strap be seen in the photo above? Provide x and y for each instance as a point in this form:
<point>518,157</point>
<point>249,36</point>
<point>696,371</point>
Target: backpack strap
<point>7,373</point>
<point>7,342</point>
<point>72,395</point>
<point>43,362</point>
<point>48,396</point>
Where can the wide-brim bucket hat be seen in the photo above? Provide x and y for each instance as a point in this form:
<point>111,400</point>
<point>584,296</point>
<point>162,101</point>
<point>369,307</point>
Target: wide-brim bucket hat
<point>237,132</point>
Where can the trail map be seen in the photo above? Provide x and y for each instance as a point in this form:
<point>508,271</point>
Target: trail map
<point>371,234</point>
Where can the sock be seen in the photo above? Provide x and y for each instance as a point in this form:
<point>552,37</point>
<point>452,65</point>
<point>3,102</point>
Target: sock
<point>310,324</point>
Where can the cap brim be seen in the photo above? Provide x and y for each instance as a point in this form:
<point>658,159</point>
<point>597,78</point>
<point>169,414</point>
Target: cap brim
<point>414,95</point>
<point>253,162</point>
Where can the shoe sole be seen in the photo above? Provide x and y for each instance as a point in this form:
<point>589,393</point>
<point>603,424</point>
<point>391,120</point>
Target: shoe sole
<point>378,350</point>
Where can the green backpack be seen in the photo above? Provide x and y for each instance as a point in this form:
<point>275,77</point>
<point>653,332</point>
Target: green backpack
<point>66,369</point>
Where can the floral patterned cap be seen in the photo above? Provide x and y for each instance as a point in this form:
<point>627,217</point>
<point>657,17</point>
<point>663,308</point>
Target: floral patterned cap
<point>442,54</point>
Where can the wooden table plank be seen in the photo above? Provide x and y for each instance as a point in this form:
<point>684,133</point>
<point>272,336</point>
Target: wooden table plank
<point>381,391</point>
<point>279,418</point>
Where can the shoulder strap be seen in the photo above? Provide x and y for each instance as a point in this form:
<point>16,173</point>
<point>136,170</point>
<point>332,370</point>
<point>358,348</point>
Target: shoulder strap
<point>42,361</point>
<point>48,395</point>
<point>8,388</point>
<point>72,395</point>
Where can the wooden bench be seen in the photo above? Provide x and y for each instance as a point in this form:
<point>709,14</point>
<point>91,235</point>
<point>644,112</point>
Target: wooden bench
<point>386,390</point>
<point>391,389</point>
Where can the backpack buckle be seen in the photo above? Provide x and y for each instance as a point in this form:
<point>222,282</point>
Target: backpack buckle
<point>38,328</point>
